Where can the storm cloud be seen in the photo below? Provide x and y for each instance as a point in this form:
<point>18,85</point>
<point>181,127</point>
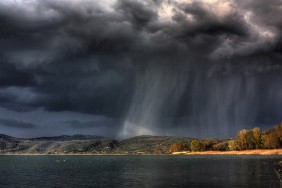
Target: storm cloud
<point>98,122</point>
<point>16,124</point>
<point>209,67</point>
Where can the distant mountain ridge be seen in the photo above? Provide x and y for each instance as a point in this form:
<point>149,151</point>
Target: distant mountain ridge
<point>69,137</point>
<point>6,137</point>
<point>87,144</point>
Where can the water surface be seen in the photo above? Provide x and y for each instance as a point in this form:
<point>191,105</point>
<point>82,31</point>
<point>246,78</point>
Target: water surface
<point>138,171</point>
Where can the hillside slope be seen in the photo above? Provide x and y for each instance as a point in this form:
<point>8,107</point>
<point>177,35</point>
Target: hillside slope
<point>87,144</point>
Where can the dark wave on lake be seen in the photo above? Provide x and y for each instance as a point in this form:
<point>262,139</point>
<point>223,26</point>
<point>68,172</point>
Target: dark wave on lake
<point>138,171</point>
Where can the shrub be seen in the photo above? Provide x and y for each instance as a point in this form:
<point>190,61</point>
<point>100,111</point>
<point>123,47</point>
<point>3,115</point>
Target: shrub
<point>176,147</point>
<point>196,145</point>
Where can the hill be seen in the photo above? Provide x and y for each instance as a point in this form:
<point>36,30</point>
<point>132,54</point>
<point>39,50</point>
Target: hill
<point>88,144</point>
<point>145,144</point>
<point>149,144</point>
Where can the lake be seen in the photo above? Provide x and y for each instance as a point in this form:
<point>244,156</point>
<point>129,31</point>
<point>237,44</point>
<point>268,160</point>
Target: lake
<point>138,171</point>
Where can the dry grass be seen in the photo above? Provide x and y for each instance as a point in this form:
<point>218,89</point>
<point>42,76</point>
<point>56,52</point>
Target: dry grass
<point>245,152</point>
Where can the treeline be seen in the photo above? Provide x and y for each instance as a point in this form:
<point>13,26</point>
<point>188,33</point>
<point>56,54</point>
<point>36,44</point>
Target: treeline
<point>245,140</point>
<point>255,139</point>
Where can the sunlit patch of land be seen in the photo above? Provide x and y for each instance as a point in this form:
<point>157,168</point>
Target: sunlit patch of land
<point>243,152</point>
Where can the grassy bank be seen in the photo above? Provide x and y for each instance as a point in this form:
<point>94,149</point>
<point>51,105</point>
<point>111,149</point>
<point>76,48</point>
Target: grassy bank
<point>244,152</point>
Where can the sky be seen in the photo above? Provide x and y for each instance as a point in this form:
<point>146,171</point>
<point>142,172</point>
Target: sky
<point>122,68</point>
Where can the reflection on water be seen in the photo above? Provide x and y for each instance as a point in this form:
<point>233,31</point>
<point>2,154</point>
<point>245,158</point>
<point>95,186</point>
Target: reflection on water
<point>138,171</point>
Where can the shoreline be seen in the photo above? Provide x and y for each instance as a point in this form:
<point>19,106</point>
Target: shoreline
<point>243,152</point>
<point>74,154</point>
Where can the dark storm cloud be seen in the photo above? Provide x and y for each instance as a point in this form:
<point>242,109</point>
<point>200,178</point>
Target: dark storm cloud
<point>138,14</point>
<point>100,57</point>
<point>99,122</point>
<point>11,123</point>
<point>20,99</point>
<point>11,75</point>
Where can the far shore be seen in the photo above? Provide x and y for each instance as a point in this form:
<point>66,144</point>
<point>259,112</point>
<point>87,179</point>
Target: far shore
<point>243,152</point>
<point>73,154</point>
<point>59,154</point>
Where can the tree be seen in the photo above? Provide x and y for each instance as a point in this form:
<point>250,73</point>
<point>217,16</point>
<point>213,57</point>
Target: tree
<point>196,145</point>
<point>241,141</point>
<point>257,139</point>
<point>249,139</point>
<point>222,146</point>
<point>232,145</point>
<point>272,139</point>
<point>208,144</point>
<point>279,134</point>
<point>176,147</point>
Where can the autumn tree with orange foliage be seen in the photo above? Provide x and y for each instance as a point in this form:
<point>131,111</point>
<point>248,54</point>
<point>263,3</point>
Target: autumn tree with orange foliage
<point>176,147</point>
<point>272,139</point>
